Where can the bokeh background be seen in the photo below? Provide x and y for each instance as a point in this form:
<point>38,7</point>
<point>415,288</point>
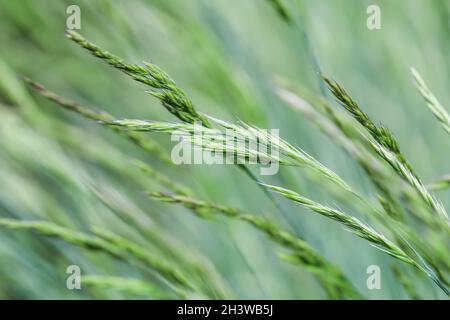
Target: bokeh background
<point>57,166</point>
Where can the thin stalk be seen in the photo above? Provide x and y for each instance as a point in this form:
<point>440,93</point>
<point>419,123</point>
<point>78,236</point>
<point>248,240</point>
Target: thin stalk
<point>332,279</point>
<point>360,229</point>
<point>432,102</point>
<point>387,147</point>
<point>98,116</point>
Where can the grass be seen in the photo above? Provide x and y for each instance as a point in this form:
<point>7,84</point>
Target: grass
<point>432,102</point>
<point>101,184</point>
<point>332,279</point>
<point>383,143</point>
<point>105,242</point>
<point>162,86</point>
<point>134,287</point>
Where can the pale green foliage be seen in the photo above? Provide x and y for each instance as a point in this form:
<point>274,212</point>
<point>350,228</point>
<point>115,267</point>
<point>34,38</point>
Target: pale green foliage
<point>432,102</point>
<point>134,287</point>
<point>64,174</point>
<point>360,229</point>
<point>109,243</point>
<point>99,116</point>
<point>162,86</point>
<point>331,278</point>
<point>212,140</point>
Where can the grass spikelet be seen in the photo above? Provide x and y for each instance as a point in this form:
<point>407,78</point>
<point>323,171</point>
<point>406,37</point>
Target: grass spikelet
<point>385,145</point>
<point>104,241</point>
<point>381,134</point>
<point>351,223</point>
<point>212,140</point>
<point>196,266</point>
<point>412,179</point>
<point>330,276</point>
<point>164,88</point>
<point>99,116</point>
<point>294,155</point>
<point>161,85</point>
<point>50,229</point>
<point>342,134</point>
<point>432,102</point>
<point>130,286</point>
<point>361,230</point>
<point>141,254</point>
<point>162,179</point>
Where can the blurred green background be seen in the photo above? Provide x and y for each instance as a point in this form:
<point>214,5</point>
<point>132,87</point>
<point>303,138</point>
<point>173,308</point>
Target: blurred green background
<point>55,165</point>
